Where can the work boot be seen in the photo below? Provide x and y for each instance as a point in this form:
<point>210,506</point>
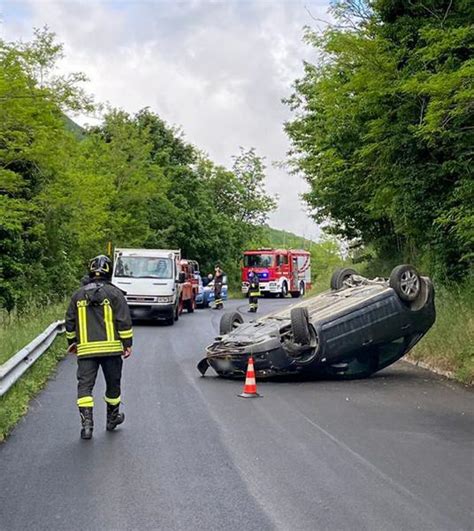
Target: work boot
<point>114,418</point>
<point>87,421</point>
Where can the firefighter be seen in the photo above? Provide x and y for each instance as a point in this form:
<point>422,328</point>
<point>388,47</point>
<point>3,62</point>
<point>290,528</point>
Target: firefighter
<point>254,291</point>
<point>99,331</point>
<point>218,283</point>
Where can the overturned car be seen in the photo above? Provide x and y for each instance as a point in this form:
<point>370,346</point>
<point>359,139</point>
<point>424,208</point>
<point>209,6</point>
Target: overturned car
<point>358,327</point>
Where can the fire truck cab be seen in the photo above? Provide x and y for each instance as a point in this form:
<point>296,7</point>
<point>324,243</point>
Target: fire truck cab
<point>280,271</point>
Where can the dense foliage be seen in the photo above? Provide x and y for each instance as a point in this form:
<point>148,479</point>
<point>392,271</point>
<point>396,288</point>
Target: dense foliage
<point>132,181</point>
<point>383,130</point>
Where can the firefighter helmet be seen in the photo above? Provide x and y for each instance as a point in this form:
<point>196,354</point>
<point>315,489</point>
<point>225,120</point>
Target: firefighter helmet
<point>100,266</point>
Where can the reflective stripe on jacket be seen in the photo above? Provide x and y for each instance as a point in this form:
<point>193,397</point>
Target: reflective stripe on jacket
<point>98,320</point>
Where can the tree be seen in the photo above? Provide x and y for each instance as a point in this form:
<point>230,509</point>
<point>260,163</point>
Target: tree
<point>252,203</point>
<point>33,148</point>
<point>383,130</point>
<point>133,181</point>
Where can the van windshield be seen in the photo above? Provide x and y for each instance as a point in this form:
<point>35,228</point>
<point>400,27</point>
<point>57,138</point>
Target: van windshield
<point>143,267</point>
<point>259,260</point>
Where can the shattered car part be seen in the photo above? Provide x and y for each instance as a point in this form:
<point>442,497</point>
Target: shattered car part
<point>350,332</point>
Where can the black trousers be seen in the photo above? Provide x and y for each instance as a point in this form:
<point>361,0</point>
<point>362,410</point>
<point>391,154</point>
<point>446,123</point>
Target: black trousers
<point>218,295</point>
<point>253,300</point>
<point>87,369</point>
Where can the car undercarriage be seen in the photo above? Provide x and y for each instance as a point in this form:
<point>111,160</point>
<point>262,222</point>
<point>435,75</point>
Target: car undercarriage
<point>357,328</point>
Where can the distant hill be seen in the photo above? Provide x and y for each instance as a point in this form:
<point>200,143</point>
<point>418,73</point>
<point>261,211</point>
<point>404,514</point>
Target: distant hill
<point>71,125</point>
<point>282,238</point>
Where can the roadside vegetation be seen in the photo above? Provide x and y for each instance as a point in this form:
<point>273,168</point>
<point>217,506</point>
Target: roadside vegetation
<point>133,181</point>
<point>16,331</point>
<point>449,345</point>
<point>19,329</point>
<point>14,404</point>
<point>382,132</point>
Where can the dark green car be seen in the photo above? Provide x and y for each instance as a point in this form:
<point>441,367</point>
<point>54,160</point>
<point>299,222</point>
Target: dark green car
<point>358,327</point>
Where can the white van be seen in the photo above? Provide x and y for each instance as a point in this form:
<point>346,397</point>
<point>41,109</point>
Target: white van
<point>151,280</point>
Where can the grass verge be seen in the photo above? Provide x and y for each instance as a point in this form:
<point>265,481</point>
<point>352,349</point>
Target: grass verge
<point>14,404</point>
<point>449,345</point>
<point>16,331</point>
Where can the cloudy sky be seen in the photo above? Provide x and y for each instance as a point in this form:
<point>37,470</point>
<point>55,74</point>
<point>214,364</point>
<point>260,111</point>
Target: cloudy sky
<point>218,69</point>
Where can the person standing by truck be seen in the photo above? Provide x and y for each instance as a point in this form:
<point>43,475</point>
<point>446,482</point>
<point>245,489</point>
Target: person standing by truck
<point>254,291</point>
<point>218,283</point>
<point>99,331</point>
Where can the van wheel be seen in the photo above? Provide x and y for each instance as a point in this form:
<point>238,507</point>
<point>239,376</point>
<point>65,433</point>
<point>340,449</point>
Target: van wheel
<point>229,321</point>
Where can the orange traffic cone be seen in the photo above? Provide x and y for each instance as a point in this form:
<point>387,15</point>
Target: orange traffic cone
<point>250,386</point>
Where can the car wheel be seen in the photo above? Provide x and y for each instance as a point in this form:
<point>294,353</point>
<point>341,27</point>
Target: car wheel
<point>284,290</point>
<point>406,282</point>
<point>229,321</point>
<point>300,326</point>
<point>171,319</point>
<point>339,276</point>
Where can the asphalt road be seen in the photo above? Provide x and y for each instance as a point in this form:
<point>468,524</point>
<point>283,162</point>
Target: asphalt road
<point>393,452</point>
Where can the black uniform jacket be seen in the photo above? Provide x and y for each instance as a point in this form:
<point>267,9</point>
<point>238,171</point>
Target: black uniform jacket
<point>254,287</point>
<point>219,279</point>
<point>98,320</point>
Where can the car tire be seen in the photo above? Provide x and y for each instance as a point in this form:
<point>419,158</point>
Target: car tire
<point>229,321</point>
<point>406,282</point>
<point>284,290</point>
<point>339,276</point>
<point>300,326</point>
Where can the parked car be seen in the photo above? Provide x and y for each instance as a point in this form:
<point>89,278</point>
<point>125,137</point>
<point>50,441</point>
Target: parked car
<point>358,327</point>
<point>205,294</point>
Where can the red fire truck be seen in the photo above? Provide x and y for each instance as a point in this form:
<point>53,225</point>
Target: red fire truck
<point>281,271</point>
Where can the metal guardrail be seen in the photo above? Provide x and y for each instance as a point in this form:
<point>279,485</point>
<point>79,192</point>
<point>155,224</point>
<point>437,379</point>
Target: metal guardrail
<point>18,364</point>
